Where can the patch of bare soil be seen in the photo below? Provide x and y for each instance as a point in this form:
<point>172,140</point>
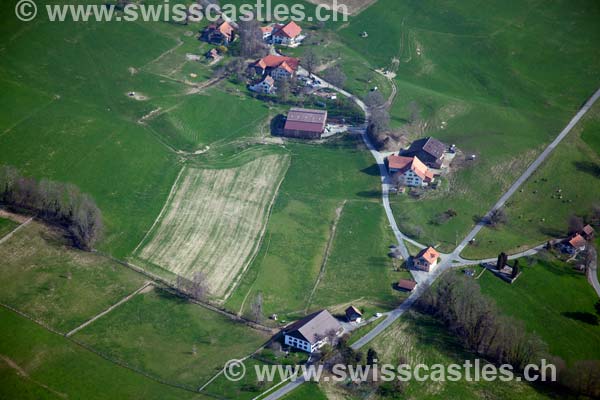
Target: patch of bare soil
<point>137,96</point>
<point>13,217</point>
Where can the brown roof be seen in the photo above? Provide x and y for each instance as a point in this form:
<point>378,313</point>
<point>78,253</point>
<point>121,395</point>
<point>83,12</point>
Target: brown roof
<point>588,230</point>
<point>314,326</point>
<point>290,30</point>
<point>577,241</point>
<point>266,29</point>
<point>274,61</point>
<point>404,164</point>
<point>302,119</point>
<point>429,145</point>
<point>406,284</point>
<point>429,254</point>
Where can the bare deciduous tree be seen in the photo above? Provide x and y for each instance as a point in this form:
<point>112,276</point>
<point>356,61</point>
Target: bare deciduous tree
<point>257,308</point>
<point>251,41</point>
<point>497,217</point>
<point>310,61</point>
<point>575,224</point>
<point>335,76</point>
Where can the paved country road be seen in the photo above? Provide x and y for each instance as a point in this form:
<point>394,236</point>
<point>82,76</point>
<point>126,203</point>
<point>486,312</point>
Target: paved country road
<point>448,261</point>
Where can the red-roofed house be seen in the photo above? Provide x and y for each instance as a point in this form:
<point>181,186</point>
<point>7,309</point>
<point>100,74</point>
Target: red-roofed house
<point>588,232</point>
<point>287,34</point>
<point>266,86</point>
<point>427,259</point>
<point>219,33</point>
<point>409,171</point>
<point>267,32</point>
<point>279,67</point>
<point>575,244</point>
<point>305,124</point>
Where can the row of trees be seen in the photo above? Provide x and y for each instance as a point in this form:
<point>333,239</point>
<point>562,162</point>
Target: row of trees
<point>460,305</point>
<point>58,203</point>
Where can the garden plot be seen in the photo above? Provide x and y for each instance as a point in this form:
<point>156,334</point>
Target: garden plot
<point>214,220</point>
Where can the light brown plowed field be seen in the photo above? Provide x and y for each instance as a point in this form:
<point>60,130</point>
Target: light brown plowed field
<point>214,220</point>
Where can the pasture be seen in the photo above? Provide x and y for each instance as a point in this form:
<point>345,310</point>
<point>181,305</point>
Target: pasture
<point>358,267</point>
<point>555,302</point>
<point>42,276</point>
<point>474,75</point>
<point>319,179</point>
<point>567,184</point>
<point>169,338</point>
<point>416,338</point>
<point>214,219</point>
<point>38,365</point>
<point>6,226</point>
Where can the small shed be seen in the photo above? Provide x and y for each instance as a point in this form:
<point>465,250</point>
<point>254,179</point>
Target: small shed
<point>353,314</point>
<point>406,285</point>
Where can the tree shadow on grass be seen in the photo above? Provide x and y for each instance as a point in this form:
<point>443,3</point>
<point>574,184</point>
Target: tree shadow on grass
<point>585,317</point>
<point>588,167</point>
<point>372,170</point>
<point>370,194</point>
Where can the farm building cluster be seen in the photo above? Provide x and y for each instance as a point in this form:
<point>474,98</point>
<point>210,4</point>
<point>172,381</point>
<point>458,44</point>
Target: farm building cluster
<point>421,163</point>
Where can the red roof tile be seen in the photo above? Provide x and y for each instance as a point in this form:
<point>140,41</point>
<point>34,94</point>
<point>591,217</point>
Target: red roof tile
<point>429,254</point>
<point>406,284</point>
<point>290,30</point>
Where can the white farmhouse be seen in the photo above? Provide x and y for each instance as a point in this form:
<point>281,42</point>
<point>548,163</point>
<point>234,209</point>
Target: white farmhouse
<point>409,171</point>
<point>312,332</point>
<point>266,86</point>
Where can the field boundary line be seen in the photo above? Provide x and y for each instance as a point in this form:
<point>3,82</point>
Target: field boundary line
<point>234,285</point>
<point>336,220</point>
<point>162,211</point>
<point>11,233</point>
<point>89,348</point>
<point>109,309</point>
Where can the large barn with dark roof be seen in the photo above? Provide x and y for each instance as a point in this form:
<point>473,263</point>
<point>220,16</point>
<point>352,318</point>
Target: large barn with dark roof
<point>429,150</point>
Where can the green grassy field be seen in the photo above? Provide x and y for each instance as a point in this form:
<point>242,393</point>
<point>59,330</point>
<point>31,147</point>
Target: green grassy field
<point>308,391</point>
<point>157,333</point>
<point>6,226</point>
<point>47,366</point>
<point>245,389</point>
<point>555,302</point>
<point>319,179</point>
<point>58,285</point>
<point>218,115</point>
<point>67,115</point>
<point>478,70</point>
<point>416,338</point>
<point>358,267</point>
<point>539,212</point>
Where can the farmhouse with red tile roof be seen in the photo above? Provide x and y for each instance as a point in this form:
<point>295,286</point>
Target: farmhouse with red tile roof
<point>427,259</point>
<point>287,34</point>
<point>219,33</point>
<point>409,171</point>
<point>279,67</point>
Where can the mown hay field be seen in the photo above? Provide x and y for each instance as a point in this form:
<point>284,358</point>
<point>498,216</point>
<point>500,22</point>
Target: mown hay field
<point>214,220</point>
